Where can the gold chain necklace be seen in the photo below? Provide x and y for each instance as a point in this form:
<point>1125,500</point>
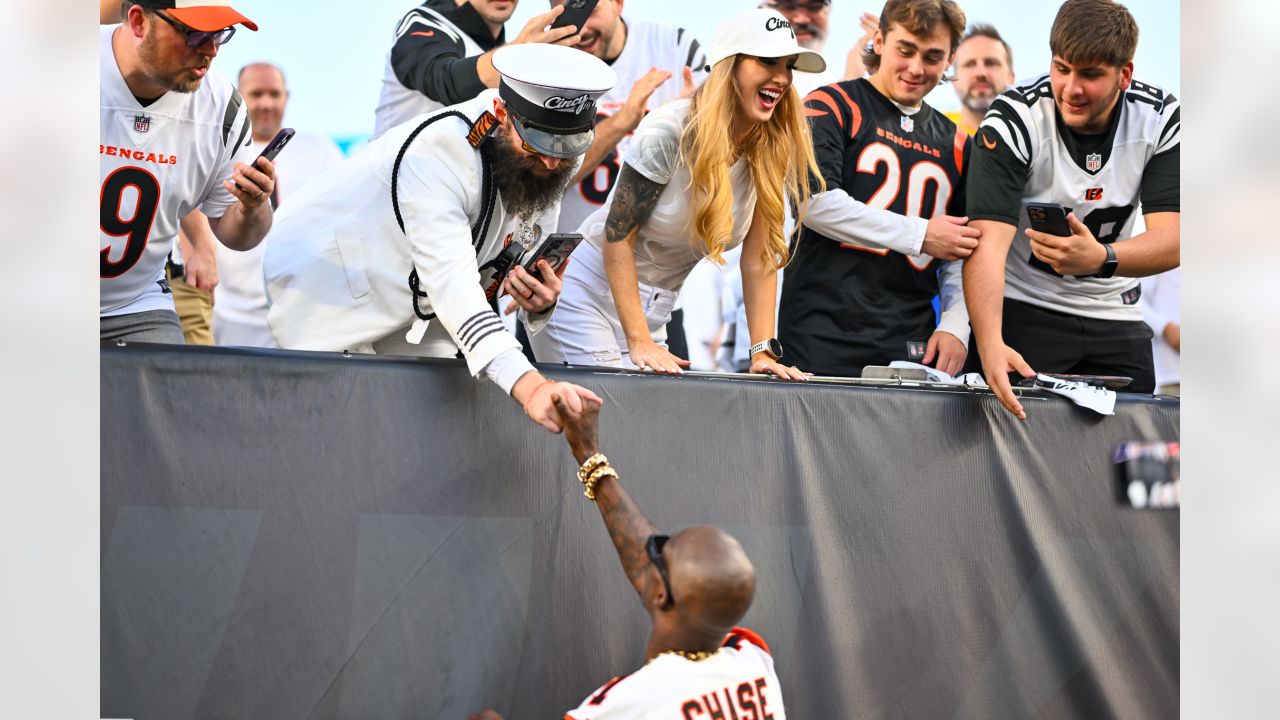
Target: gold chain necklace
<point>698,656</point>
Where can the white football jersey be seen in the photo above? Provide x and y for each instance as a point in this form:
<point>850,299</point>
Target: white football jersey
<point>398,104</point>
<point>649,45</point>
<point>1103,185</point>
<point>158,163</point>
<point>736,682</point>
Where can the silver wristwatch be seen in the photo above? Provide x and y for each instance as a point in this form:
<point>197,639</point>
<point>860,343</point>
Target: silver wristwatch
<point>770,347</point>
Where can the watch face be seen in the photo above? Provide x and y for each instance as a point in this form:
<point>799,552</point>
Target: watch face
<point>775,347</point>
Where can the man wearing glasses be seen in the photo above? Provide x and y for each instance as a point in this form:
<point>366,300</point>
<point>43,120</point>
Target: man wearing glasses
<point>695,585</point>
<point>174,137</point>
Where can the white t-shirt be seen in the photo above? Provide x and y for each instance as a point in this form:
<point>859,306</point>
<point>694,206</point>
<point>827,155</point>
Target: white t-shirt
<point>649,45</point>
<point>158,163</point>
<point>666,248</point>
<point>738,681</point>
<point>240,298</point>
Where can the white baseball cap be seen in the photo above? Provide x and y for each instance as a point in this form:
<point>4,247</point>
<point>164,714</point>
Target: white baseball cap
<point>763,33</point>
<point>550,92</point>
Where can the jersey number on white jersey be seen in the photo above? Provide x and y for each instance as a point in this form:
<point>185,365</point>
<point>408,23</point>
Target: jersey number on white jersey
<point>136,229</point>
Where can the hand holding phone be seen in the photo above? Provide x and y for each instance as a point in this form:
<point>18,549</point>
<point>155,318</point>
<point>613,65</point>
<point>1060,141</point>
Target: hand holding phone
<point>575,13</point>
<point>277,144</point>
<point>1048,218</point>
<point>555,249</point>
<point>272,149</point>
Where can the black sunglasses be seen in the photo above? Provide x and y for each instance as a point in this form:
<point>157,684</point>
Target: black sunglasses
<point>197,38</point>
<point>654,546</point>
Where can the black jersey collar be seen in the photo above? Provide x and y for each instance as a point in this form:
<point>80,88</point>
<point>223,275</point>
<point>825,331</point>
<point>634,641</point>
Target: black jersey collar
<point>1081,146</point>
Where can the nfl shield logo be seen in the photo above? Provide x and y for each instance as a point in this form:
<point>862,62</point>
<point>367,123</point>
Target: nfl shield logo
<point>907,123</point>
<point>1093,162</point>
<point>141,123</point>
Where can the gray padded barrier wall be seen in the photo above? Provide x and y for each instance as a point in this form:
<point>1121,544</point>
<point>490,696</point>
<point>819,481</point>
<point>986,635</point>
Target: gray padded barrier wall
<point>296,535</point>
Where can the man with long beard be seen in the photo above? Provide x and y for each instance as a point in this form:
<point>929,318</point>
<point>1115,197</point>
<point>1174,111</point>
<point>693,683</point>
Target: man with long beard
<point>403,249</point>
<point>172,138</point>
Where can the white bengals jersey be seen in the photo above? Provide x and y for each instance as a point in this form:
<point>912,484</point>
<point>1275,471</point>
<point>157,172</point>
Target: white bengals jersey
<point>649,45</point>
<point>397,103</point>
<point>736,682</point>
<point>1023,154</point>
<point>158,163</point>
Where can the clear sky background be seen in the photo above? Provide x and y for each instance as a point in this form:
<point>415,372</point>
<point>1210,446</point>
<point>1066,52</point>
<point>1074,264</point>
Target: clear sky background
<point>334,53</point>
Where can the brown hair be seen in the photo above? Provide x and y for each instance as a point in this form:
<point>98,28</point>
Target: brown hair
<point>1091,31</point>
<point>988,31</point>
<point>918,17</point>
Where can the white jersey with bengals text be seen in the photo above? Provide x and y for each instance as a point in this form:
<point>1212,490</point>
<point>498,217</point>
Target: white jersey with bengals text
<point>737,682</point>
<point>158,163</point>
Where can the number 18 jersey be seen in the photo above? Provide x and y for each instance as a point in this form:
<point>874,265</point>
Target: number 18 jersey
<point>158,163</point>
<point>1023,153</point>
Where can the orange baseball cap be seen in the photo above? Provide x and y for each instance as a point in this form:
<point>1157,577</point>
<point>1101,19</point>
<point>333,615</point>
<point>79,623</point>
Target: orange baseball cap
<point>205,15</point>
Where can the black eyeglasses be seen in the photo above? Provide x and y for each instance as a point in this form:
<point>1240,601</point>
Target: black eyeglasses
<point>197,38</point>
<point>654,546</point>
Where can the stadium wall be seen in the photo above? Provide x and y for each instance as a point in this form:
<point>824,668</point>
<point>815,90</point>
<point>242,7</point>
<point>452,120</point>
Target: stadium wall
<point>299,535</point>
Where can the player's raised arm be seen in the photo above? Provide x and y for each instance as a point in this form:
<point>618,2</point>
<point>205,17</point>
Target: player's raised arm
<point>628,526</point>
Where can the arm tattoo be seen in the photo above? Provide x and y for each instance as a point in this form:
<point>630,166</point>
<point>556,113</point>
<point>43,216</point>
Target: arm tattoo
<point>633,201</point>
<point>628,529</point>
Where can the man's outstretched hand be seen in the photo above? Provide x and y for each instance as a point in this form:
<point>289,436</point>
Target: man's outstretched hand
<point>580,427</point>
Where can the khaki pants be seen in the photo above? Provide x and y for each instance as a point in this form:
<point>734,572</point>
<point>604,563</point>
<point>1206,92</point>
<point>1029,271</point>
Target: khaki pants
<point>195,311</point>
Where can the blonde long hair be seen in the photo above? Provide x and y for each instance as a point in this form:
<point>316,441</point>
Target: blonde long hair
<point>779,155</point>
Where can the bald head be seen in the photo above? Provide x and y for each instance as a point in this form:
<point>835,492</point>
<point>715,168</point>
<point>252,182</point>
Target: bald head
<point>711,577</point>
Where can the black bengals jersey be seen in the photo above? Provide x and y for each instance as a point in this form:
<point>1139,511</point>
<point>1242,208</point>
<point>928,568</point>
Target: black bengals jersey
<point>845,306</point>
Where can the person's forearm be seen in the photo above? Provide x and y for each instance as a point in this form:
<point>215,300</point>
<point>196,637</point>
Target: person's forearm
<point>759,295</point>
<point>484,68</point>
<point>609,132</point>
<point>1154,251</point>
<point>838,216</point>
<point>953,316</point>
<point>196,232</point>
<point>983,274</point>
<point>628,528</point>
<point>620,267</point>
<point>242,230</point>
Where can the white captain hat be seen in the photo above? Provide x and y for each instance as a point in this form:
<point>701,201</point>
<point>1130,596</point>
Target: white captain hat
<point>763,33</point>
<point>551,92</point>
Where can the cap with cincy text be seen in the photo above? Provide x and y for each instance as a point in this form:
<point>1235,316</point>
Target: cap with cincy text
<point>763,33</point>
<point>203,15</point>
<point>550,92</point>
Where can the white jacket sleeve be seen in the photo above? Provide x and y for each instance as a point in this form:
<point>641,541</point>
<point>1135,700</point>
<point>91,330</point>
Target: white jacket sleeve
<point>439,194</point>
<point>838,216</point>
<point>954,316</point>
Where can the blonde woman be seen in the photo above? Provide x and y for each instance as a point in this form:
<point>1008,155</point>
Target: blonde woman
<point>701,176</point>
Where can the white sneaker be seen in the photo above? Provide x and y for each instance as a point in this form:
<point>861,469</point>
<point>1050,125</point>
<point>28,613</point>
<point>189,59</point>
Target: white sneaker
<point>1099,400</point>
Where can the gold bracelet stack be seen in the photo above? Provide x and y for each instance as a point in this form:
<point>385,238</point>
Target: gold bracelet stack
<point>592,471</point>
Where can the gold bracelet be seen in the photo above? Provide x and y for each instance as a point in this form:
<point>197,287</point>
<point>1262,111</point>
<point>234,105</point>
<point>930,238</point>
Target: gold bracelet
<point>589,485</point>
<point>590,464</point>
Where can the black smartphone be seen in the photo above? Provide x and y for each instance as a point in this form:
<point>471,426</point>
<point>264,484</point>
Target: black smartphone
<point>555,250</point>
<point>1049,218</point>
<point>575,13</point>
<point>1110,382</point>
<point>277,144</point>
